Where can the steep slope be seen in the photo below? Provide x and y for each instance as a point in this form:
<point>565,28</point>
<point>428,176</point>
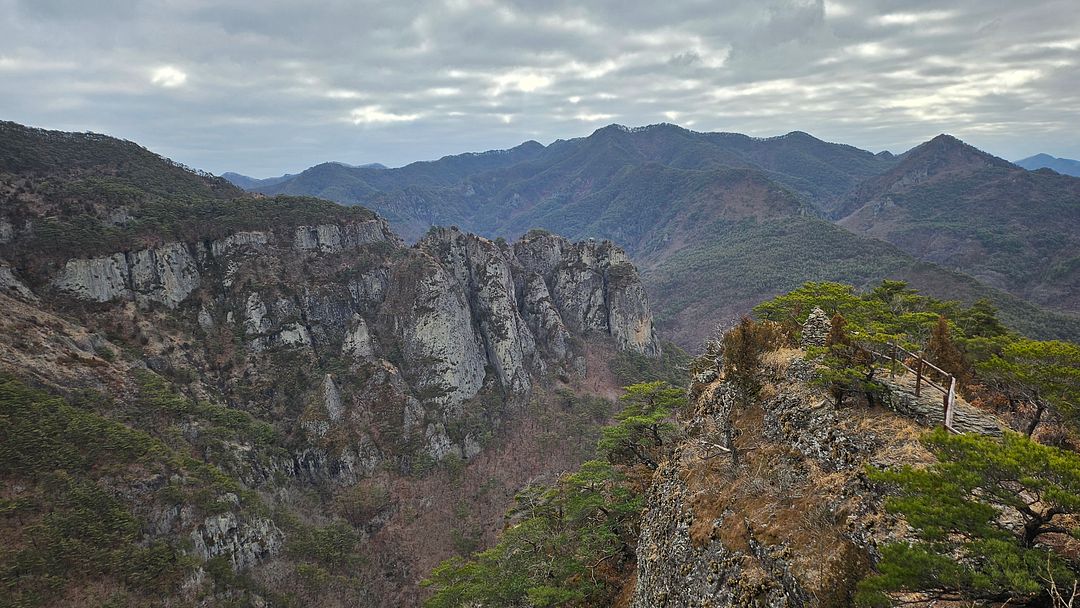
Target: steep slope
<point>733,265</point>
<point>277,397</point>
<point>1064,166</point>
<point>794,520</point>
<point>950,204</point>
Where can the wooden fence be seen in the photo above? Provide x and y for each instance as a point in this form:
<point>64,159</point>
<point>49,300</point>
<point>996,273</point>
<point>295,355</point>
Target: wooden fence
<point>899,354</point>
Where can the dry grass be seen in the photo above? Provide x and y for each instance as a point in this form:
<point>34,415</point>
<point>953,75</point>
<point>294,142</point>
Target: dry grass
<point>778,361</point>
<point>780,497</point>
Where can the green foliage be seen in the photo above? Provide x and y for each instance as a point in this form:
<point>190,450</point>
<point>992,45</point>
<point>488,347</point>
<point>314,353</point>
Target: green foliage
<point>670,366</point>
<point>568,544</point>
<point>890,311</point>
<point>960,508</point>
<point>556,552</point>
<point>159,401</point>
<point>1044,374</point>
<point>75,528</point>
<point>333,547</point>
<point>40,433</point>
<point>955,337</point>
<point>643,429</point>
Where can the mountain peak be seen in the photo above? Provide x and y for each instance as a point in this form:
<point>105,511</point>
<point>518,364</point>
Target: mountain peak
<point>1064,166</point>
<point>946,139</point>
<point>947,153</point>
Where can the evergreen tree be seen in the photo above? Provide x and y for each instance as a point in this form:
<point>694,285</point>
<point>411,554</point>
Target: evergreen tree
<point>1043,375</point>
<point>963,509</point>
<point>643,427</point>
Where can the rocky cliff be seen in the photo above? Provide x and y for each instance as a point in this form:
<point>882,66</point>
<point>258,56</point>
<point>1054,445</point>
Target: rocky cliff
<point>366,370</point>
<point>220,398</point>
<point>788,520</point>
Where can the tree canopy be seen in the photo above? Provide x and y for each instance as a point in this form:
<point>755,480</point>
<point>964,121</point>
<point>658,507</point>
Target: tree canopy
<point>982,517</point>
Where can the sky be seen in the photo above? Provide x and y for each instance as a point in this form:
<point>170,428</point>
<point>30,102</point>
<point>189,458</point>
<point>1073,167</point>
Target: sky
<point>272,86</point>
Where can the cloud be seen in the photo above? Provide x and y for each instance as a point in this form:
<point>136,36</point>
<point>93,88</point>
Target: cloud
<point>274,87</point>
<point>523,81</point>
<point>169,77</point>
<point>374,114</point>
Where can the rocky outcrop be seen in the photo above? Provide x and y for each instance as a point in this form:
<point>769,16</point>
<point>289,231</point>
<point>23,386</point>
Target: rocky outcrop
<point>168,274</point>
<point>483,270</point>
<point>333,238</point>
<point>99,279</point>
<point>789,519</point>
<point>440,322</point>
<point>244,541</point>
<point>12,286</point>
<point>594,287</point>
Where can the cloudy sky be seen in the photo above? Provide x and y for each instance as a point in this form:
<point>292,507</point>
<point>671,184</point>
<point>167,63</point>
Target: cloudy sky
<point>265,87</point>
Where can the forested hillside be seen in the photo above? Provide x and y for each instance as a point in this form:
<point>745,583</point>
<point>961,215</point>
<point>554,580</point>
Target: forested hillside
<point>745,216</point>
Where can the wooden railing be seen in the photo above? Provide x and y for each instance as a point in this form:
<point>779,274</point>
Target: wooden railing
<point>898,354</point>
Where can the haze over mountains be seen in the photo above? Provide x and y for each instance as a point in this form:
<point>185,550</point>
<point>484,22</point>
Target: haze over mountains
<point>747,218</point>
<point>1066,166</point>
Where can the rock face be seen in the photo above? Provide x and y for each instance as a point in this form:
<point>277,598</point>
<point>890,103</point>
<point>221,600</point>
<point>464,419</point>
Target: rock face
<point>594,287</point>
<point>446,320</point>
<point>790,520</point>
<point>11,285</point>
<point>244,543</point>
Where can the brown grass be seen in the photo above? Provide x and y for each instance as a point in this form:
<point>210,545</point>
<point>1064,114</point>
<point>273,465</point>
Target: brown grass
<point>779,497</point>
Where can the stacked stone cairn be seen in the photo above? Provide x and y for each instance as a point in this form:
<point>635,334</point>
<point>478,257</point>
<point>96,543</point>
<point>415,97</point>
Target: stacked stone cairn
<point>816,328</point>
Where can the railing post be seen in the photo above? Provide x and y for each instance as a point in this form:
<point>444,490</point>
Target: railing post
<point>950,403</point>
<point>945,412</point>
<point>918,375</point>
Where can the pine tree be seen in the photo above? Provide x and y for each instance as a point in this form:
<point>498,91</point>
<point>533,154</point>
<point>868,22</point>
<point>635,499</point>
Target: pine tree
<point>962,510</point>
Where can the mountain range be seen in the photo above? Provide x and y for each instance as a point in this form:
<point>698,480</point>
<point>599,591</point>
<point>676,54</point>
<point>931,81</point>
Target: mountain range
<point>216,397</point>
<point>748,218</point>
<point>209,397</point>
<point>1065,166</point>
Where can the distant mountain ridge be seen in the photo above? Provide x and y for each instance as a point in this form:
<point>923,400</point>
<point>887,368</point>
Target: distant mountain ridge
<point>750,214</point>
<point>1065,166</point>
<point>254,183</point>
<point>949,203</point>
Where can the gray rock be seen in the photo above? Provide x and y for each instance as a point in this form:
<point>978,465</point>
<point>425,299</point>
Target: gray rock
<point>98,279</point>
<point>166,274</point>
<point>244,541</point>
<point>483,272</point>
<point>433,322</point>
<point>332,400</point>
<point>357,343</point>
<point>12,286</point>
<point>241,240</point>
<point>594,287</point>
